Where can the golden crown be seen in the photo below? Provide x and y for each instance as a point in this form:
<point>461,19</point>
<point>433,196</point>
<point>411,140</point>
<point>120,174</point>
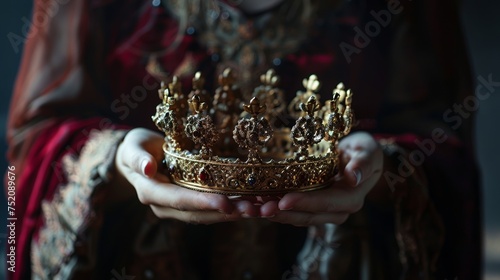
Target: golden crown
<point>234,148</point>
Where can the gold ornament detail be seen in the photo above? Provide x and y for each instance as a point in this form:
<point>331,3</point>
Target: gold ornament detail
<point>262,159</point>
<point>253,133</point>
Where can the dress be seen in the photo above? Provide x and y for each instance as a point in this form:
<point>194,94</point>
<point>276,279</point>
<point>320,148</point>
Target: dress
<point>83,83</point>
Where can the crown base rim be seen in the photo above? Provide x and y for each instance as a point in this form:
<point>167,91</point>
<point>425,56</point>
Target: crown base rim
<point>249,192</point>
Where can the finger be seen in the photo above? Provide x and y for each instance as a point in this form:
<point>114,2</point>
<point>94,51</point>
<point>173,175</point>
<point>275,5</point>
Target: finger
<point>363,167</point>
<point>358,168</point>
<point>269,209</point>
<point>362,156</point>
<point>140,151</point>
<point>308,219</point>
<point>344,159</point>
<point>334,199</point>
<point>264,199</point>
<point>157,192</point>
<point>194,217</point>
<point>250,198</point>
<point>257,200</point>
<point>246,208</point>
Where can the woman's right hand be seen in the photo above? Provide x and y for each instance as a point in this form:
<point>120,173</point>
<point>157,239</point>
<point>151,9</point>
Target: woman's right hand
<point>137,160</point>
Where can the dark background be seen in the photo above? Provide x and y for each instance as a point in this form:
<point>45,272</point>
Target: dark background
<point>481,23</point>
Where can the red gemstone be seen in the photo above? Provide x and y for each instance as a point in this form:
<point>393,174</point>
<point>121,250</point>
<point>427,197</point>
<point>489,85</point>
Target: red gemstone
<point>203,175</point>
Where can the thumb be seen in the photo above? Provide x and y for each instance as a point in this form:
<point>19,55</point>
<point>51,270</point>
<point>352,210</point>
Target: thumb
<point>362,157</point>
<point>148,166</point>
<point>134,153</point>
<point>137,159</point>
<point>357,169</point>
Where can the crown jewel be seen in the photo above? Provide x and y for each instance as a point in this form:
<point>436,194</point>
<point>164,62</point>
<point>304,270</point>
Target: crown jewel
<point>234,148</point>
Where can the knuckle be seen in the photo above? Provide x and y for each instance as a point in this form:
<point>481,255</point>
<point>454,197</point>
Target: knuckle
<point>158,213</point>
<point>354,202</point>
<point>358,205</point>
<point>193,219</point>
<point>306,221</point>
<point>331,207</point>
<point>143,198</point>
<point>340,219</point>
<point>177,205</point>
<point>200,201</point>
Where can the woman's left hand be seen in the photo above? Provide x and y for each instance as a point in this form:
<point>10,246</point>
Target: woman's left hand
<point>362,162</point>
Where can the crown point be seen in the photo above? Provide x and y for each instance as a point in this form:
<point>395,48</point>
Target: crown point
<point>310,106</point>
<point>269,78</point>
<point>227,72</point>
<point>161,91</point>
<point>196,105</point>
<point>348,98</point>
<point>254,108</point>
<point>166,95</point>
<point>227,77</point>
<point>198,81</point>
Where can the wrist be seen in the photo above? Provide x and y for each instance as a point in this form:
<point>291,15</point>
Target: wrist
<point>119,188</point>
<point>382,193</point>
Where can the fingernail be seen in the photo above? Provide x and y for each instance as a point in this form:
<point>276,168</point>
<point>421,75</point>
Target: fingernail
<point>267,217</point>
<point>144,166</point>
<point>357,174</point>
<point>245,215</point>
<point>286,208</point>
<point>225,212</point>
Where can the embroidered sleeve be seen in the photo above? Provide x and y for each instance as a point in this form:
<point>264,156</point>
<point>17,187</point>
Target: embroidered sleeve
<point>72,216</point>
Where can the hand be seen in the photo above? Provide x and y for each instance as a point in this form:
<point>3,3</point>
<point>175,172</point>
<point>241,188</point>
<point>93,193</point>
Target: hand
<point>137,161</point>
<point>362,162</point>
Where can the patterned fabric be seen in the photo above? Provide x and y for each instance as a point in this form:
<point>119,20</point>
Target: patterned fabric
<point>73,206</point>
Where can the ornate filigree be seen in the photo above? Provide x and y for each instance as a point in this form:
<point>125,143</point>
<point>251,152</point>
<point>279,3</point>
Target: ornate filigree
<point>198,83</point>
<point>200,128</point>
<point>175,88</point>
<point>271,95</point>
<point>167,120</point>
<point>308,130</point>
<point>334,121</point>
<point>312,85</point>
<point>253,133</point>
<point>348,114</point>
<point>338,115</point>
<point>226,102</point>
<point>261,160</point>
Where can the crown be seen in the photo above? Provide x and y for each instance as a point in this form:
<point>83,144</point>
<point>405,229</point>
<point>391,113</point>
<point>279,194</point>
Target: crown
<point>223,145</point>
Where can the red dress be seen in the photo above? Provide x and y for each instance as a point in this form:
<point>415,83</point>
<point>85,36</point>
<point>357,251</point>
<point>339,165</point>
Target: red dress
<point>83,83</point>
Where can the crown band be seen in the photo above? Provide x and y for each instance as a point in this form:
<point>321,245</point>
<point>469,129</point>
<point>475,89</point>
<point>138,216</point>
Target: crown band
<point>230,177</point>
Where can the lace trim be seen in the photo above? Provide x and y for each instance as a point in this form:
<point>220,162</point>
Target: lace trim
<point>71,209</point>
